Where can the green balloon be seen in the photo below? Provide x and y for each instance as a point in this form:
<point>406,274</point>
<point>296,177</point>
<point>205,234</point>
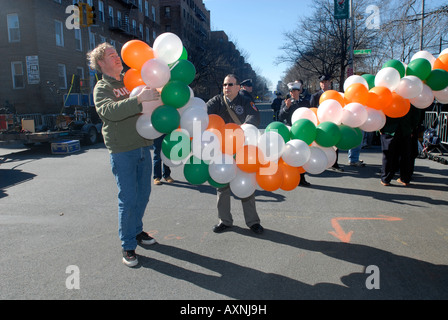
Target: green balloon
<point>350,137</point>
<point>196,171</point>
<point>165,119</point>
<point>183,70</point>
<point>215,184</point>
<point>176,145</point>
<point>176,94</point>
<point>280,128</point>
<point>327,134</point>
<point>184,55</point>
<point>437,79</point>
<point>370,78</point>
<point>398,65</point>
<point>419,67</point>
<point>303,129</point>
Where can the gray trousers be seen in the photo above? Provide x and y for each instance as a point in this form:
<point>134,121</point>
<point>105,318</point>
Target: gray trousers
<point>249,210</point>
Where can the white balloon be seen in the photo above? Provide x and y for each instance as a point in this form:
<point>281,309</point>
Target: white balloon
<point>444,51</point>
<point>271,145</point>
<point>244,184</point>
<point>145,129</point>
<point>296,153</point>
<point>149,106</point>
<point>304,113</point>
<point>223,168</point>
<point>206,146</point>
<point>136,91</point>
<point>317,162</point>
<point>330,110</point>
<point>409,87</point>
<point>424,99</point>
<point>171,163</point>
<point>376,119</point>
<point>330,153</point>
<point>168,47</point>
<point>387,77</point>
<point>354,115</point>
<point>251,134</point>
<point>355,79</point>
<point>194,120</point>
<point>441,95</point>
<point>425,55</point>
<point>155,73</point>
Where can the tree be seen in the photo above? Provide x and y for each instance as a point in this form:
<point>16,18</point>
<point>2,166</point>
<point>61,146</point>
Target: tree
<point>320,44</point>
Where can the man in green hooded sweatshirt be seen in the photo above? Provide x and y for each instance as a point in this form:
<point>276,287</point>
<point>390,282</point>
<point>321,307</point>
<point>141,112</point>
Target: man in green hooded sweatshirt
<point>130,155</point>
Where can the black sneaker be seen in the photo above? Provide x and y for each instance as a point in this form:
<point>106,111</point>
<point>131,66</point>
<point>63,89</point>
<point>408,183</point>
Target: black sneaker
<point>130,258</point>
<point>144,238</point>
<point>257,228</point>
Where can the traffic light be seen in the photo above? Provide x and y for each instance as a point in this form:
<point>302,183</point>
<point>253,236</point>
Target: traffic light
<point>90,15</point>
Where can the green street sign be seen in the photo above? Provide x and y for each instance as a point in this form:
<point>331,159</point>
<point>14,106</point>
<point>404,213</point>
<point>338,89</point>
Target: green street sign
<point>362,51</point>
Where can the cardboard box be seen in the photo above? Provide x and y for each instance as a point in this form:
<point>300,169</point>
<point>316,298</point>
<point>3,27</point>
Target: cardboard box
<point>65,147</point>
<point>28,125</point>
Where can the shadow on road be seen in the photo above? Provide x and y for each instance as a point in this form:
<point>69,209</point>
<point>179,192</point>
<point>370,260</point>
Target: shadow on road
<point>400,277</point>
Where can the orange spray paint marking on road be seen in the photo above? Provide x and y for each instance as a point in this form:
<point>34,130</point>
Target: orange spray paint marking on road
<point>340,234</point>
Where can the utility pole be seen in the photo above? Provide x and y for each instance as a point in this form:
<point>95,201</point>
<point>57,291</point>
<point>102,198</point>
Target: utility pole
<point>422,23</point>
<point>352,39</point>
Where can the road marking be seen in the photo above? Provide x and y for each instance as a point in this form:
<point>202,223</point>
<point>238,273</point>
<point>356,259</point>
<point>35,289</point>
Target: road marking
<point>340,234</point>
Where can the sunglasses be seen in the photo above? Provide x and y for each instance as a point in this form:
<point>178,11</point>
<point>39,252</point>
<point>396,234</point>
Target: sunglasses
<point>228,84</point>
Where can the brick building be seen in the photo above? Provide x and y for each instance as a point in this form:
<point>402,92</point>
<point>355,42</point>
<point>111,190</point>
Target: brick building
<point>41,54</point>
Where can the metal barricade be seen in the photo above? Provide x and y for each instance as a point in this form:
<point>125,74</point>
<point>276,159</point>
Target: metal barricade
<point>430,118</point>
<point>443,127</point>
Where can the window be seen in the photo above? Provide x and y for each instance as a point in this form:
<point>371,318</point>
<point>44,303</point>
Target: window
<point>146,8</point>
<point>62,76</point>
<point>58,28</point>
<point>18,78</point>
<point>92,43</point>
<point>147,34</point>
<point>153,11</point>
<point>101,11</point>
<point>111,16</point>
<point>167,12</point>
<point>13,27</point>
<point>78,40</point>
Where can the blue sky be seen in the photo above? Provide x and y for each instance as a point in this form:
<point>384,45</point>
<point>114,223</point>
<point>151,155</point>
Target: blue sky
<point>257,27</point>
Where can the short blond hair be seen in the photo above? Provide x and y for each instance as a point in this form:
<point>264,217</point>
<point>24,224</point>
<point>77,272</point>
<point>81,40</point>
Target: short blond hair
<point>97,54</point>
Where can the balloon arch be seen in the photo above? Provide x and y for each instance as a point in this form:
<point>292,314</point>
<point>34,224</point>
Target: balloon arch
<point>247,159</point>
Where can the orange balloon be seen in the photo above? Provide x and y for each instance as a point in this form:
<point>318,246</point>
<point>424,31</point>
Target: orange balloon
<point>441,62</point>
<point>232,138</point>
<point>215,121</point>
<point>291,176</point>
<point>357,92</point>
<point>249,158</point>
<point>135,53</point>
<point>382,99</point>
<point>315,112</point>
<point>332,94</point>
<point>132,78</point>
<point>398,108</point>
<point>270,182</point>
<point>217,132</point>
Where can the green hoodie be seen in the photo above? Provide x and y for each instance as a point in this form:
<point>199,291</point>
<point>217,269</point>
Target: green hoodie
<point>119,114</point>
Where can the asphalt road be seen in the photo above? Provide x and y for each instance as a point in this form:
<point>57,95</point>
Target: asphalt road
<point>345,237</point>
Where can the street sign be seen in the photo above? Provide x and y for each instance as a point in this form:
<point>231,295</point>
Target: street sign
<point>362,51</point>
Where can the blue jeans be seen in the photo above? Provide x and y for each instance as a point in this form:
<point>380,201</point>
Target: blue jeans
<point>132,170</point>
<point>353,154</point>
<point>158,160</point>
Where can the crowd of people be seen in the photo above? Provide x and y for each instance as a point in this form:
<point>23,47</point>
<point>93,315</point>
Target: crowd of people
<point>132,164</point>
